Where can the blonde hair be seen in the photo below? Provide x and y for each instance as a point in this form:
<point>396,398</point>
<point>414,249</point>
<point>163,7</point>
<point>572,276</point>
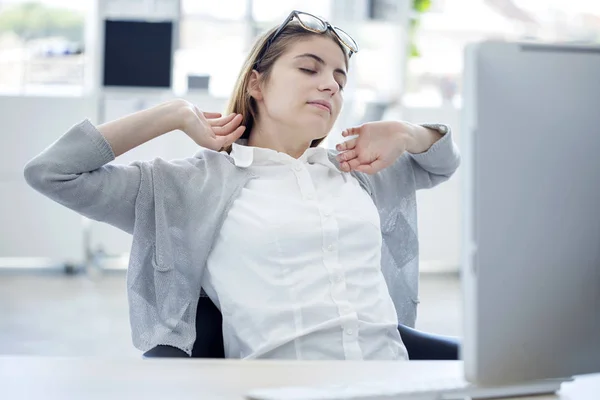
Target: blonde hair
<point>241,102</point>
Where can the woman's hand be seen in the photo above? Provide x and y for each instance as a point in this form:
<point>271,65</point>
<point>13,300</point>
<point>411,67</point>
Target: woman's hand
<point>377,146</point>
<point>211,130</point>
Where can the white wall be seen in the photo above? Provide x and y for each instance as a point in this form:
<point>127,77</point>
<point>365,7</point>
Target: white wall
<point>30,224</point>
<point>439,210</point>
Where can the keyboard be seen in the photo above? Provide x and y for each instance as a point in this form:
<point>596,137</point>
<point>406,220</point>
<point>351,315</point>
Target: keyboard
<point>433,389</point>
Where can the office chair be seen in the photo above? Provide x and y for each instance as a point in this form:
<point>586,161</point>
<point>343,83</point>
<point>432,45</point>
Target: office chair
<point>209,339</point>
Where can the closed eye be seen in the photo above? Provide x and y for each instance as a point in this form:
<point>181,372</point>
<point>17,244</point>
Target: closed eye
<point>311,72</point>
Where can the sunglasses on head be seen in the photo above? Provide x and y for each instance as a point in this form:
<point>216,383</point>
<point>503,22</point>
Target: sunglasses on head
<point>313,24</point>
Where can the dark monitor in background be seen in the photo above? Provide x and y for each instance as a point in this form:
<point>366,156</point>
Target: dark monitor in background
<point>138,54</point>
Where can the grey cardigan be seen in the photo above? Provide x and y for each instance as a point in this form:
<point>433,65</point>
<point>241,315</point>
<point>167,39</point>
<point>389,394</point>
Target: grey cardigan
<point>174,210</point>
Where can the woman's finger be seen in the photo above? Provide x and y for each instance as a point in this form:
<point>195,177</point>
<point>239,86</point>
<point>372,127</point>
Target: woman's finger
<point>350,165</point>
<point>372,168</point>
<point>209,115</point>
<point>232,137</point>
<point>348,155</point>
<point>229,127</point>
<point>352,131</point>
<point>347,145</point>
<point>222,120</point>
<point>354,163</point>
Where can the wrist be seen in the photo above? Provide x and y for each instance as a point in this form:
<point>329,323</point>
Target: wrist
<point>411,137</point>
<point>177,113</point>
<point>422,139</point>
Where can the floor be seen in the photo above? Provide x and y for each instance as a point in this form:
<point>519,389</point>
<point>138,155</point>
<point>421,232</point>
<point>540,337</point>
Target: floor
<point>52,314</point>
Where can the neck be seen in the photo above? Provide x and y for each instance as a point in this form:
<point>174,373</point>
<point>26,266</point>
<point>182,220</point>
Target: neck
<point>278,137</point>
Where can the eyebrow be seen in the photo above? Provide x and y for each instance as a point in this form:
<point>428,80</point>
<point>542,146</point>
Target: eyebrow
<point>321,61</point>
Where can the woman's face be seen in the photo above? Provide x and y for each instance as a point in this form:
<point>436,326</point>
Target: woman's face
<point>304,90</point>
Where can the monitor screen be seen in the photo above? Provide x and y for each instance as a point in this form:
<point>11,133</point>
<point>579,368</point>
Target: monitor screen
<point>138,54</point>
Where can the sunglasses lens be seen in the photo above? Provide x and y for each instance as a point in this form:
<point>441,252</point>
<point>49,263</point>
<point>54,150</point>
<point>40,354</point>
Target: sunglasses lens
<point>312,23</point>
<point>348,41</point>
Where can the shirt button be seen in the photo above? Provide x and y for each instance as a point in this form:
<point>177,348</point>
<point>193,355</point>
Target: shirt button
<point>298,167</point>
<point>349,332</point>
<point>331,247</point>
<point>338,277</point>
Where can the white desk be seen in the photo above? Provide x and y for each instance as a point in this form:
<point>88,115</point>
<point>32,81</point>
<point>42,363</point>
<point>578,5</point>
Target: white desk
<point>87,378</point>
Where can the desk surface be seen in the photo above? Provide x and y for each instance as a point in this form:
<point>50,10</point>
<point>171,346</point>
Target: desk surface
<point>95,378</point>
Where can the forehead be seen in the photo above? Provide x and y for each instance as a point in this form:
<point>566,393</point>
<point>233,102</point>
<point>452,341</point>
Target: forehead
<point>322,46</point>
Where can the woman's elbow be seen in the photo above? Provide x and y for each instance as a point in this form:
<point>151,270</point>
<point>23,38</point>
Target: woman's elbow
<point>35,174</point>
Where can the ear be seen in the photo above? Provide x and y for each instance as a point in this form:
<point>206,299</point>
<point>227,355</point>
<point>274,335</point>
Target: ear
<point>254,88</point>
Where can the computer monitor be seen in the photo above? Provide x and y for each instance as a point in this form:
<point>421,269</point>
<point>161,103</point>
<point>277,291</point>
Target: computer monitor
<point>138,54</point>
<point>531,237</point>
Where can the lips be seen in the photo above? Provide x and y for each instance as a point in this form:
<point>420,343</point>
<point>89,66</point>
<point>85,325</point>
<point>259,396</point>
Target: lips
<point>322,103</point>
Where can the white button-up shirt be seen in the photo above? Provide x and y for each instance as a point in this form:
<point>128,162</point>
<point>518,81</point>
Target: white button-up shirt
<point>295,269</point>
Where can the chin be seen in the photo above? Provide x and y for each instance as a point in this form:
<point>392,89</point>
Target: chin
<point>319,126</point>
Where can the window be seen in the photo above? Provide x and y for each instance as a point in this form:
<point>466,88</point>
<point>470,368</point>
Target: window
<point>225,10</point>
<point>42,46</point>
<point>215,40</point>
<point>275,11</point>
<point>434,78</point>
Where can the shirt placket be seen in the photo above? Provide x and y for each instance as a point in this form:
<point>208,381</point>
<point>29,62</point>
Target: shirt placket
<point>330,250</point>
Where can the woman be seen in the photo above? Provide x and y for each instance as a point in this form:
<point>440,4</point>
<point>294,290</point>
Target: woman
<point>308,253</point>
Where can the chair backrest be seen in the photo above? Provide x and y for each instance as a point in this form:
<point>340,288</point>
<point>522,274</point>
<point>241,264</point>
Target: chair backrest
<point>420,345</point>
<point>209,330</point>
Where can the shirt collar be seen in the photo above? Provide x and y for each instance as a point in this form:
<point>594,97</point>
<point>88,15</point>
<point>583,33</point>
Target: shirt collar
<point>245,156</point>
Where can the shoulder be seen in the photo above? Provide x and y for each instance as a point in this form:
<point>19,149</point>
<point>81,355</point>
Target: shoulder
<point>205,165</point>
<point>204,159</point>
<point>391,182</point>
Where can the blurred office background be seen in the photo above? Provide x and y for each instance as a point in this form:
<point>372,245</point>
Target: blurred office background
<point>62,282</point>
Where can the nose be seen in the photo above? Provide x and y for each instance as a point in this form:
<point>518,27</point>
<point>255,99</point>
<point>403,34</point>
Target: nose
<point>329,84</point>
